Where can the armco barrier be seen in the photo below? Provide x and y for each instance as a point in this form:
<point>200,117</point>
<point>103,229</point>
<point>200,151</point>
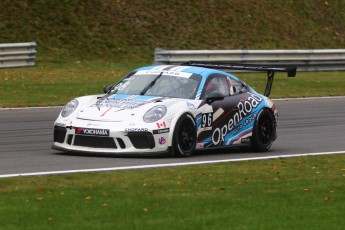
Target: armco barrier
<point>17,54</point>
<point>305,60</point>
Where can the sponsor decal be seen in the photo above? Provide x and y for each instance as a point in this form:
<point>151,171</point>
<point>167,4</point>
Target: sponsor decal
<point>92,132</point>
<point>244,108</point>
<point>136,129</point>
<point>190,105</point>
<point>130,102</point>
<point>246,140</point>
<point>170,73</point>
<point>160,131</point>
<point>246,122</point>
<point>161,124</point>
<point>161,141</point>
<point>207,119</point>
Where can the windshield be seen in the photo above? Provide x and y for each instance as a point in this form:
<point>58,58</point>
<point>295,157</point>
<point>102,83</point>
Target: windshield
<point>159,83</point>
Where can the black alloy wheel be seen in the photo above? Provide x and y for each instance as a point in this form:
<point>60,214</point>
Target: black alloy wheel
<point>184,138</point>
<point>264,131</point>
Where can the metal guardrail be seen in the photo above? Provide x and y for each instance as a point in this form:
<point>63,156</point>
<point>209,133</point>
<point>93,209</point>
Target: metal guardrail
<point>305,60</point>
<point>17,54</point>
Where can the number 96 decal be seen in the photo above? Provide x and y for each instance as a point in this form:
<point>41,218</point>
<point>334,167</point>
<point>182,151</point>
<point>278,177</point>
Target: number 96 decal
<point>207,119</point>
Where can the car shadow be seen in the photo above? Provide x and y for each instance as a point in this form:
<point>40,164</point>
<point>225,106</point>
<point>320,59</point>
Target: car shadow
<point>198,153</point>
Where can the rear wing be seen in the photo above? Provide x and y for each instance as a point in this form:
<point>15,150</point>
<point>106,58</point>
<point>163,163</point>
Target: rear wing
<point>291,70</point>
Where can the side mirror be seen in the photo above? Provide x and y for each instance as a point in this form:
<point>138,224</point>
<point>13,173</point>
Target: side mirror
<point>107,88</point>
<point>214,96</point>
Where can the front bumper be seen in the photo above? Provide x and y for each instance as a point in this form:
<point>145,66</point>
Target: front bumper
<point>110,141</point>
<point>105,152</point>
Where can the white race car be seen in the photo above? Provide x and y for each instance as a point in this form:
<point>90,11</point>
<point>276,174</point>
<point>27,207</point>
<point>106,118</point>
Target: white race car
<point>173,109</point>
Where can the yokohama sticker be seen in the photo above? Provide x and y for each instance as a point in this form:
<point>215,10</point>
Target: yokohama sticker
<point>92,132</point>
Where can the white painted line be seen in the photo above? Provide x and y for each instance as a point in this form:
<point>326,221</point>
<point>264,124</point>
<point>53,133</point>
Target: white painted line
<point>27,108</point>
<point>167,165</point>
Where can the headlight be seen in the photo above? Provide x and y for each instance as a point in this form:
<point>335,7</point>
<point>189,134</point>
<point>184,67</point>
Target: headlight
<point>69,108</point>
<point>155,113</point>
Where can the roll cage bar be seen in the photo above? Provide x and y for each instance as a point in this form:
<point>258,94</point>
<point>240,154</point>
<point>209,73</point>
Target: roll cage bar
<point>291,70</point>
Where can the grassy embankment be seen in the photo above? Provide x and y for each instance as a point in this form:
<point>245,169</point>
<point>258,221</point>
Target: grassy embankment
<point>84,45</point>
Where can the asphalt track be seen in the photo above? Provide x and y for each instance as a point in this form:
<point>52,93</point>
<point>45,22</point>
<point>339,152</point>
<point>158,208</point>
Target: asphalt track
<point>310,125</point>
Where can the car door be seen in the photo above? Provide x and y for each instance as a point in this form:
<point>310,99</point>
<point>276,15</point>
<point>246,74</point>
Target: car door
<point>217,128</point>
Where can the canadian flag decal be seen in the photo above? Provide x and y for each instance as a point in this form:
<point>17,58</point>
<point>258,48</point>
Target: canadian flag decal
<point>161,124</point>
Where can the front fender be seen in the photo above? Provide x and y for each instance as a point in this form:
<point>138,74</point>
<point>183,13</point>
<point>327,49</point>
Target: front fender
<point>82,101</point>
<point>173,124</point>
<point>178,109</point>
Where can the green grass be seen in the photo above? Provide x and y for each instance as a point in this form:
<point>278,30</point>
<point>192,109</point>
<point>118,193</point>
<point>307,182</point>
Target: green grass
<point>305,84</point>
<point>293,193</point>
<point>123,29</point>
<point>56,84</point>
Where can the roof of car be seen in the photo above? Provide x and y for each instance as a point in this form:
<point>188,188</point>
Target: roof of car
<point>179,68</point>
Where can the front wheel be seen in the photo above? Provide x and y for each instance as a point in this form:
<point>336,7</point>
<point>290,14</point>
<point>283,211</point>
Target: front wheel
<point>184,137</point>
<point>264,131</point>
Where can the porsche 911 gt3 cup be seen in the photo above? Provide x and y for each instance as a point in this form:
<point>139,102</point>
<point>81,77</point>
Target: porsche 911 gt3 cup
<point>173,109</point>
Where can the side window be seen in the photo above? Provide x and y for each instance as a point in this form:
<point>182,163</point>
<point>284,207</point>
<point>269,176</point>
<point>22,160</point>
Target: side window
<point>237,87</point>
<point>216,83</point>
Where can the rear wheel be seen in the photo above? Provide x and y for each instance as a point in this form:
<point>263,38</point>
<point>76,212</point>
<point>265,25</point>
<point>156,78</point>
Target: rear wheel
<point>264,131</point>
<point>184,138</point>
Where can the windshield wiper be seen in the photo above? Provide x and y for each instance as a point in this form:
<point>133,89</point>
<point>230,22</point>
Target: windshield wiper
<point>150,84</point>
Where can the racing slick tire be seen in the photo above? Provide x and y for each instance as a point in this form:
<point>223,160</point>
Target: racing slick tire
<point>264,131</point>
<point>184,137</point>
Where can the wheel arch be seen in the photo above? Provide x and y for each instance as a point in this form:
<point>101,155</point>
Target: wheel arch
<point>256,143</point>
<point>274,113</point>
<point>174,122</point>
